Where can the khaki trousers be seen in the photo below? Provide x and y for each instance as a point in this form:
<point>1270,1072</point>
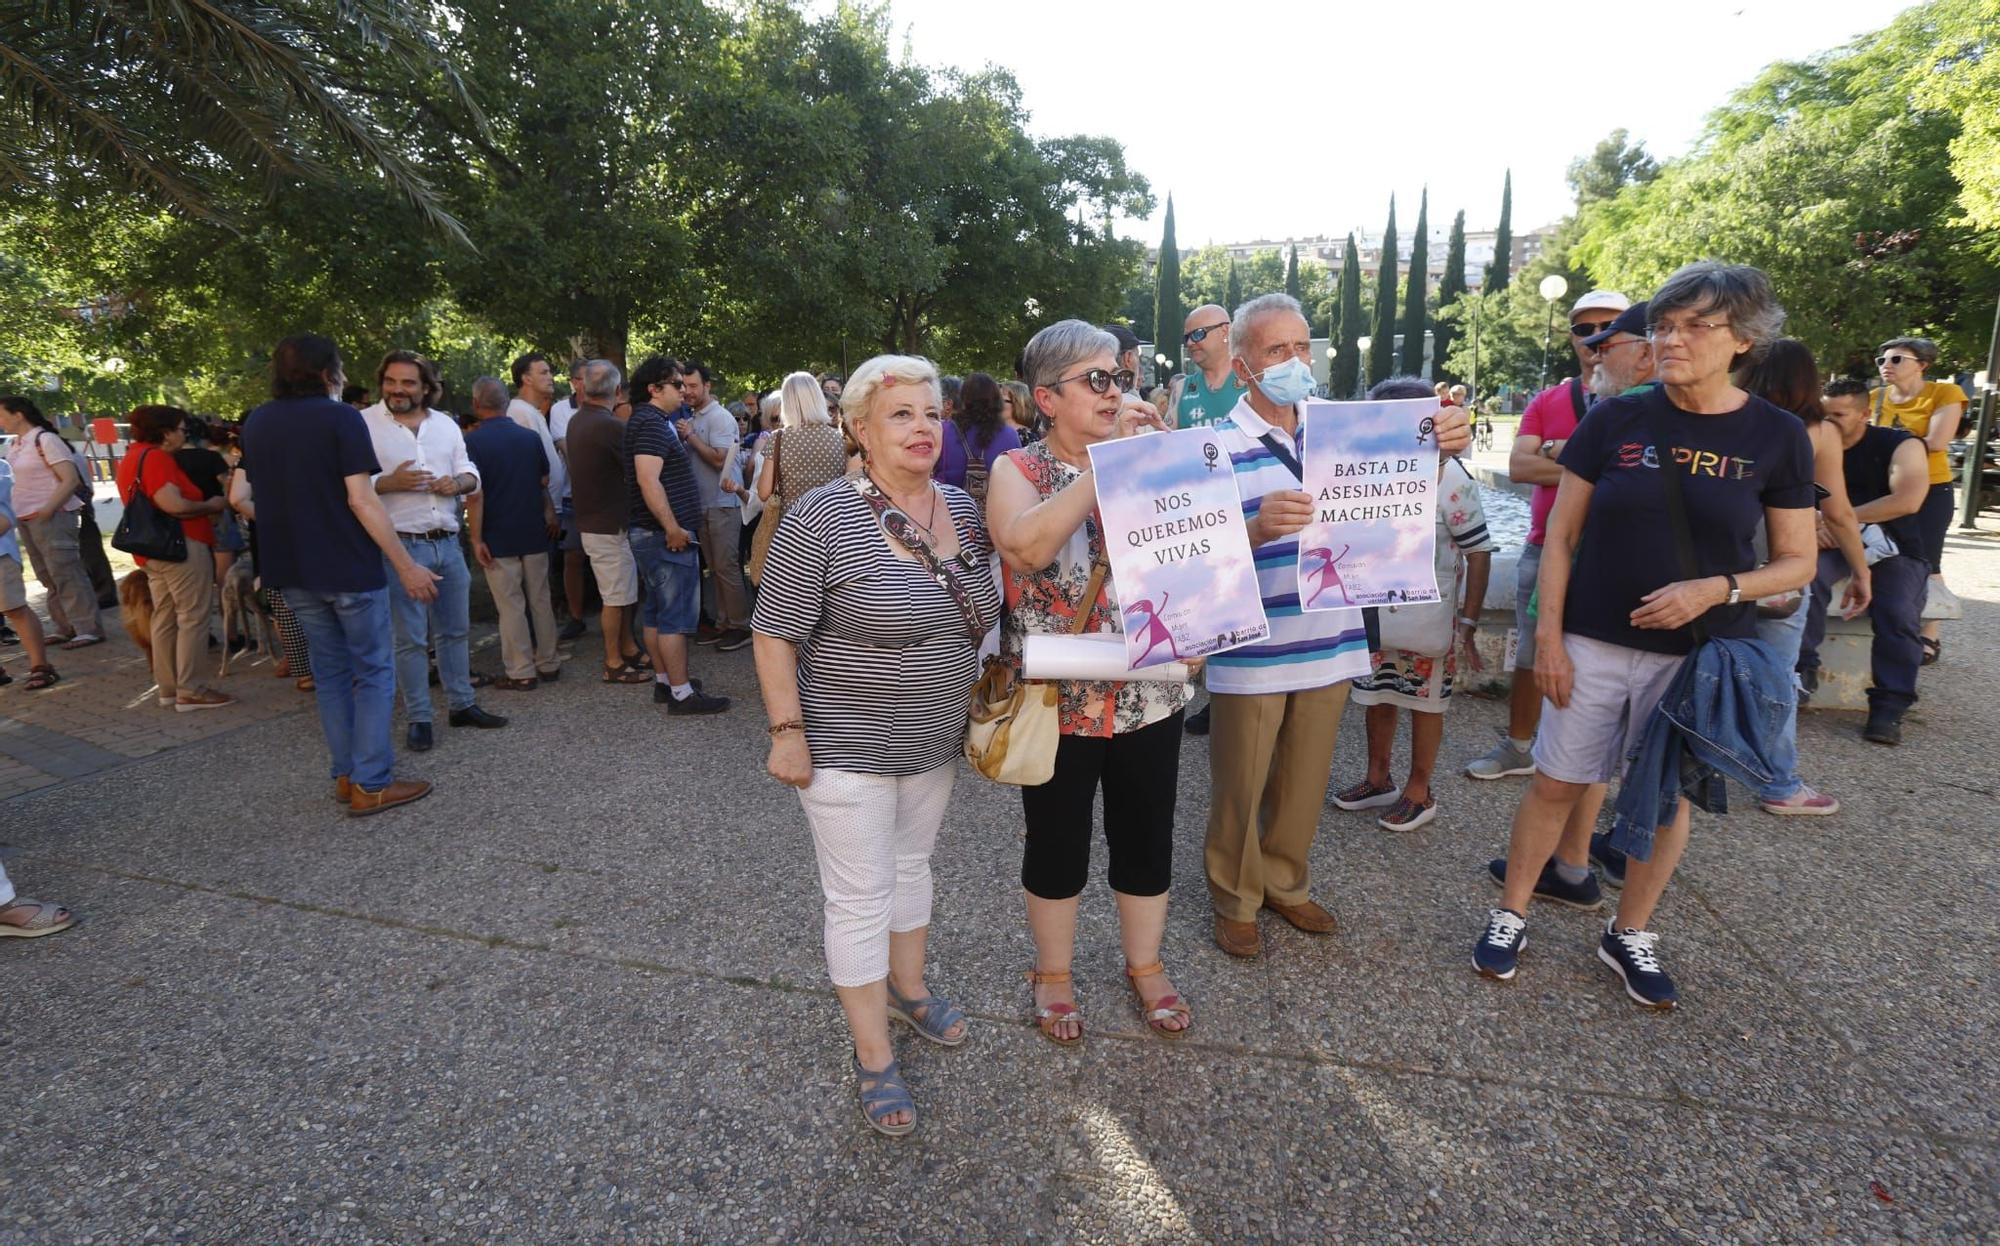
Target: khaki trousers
<point>520,586</point>
<point>183,593</point>
<point>51,544</point>
<point>721,548</point>
<point>1269,755</point>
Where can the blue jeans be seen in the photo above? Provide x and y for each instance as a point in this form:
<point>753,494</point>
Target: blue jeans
<point>1782,638</point>
<point>446,623</point>
<point>354,680</point>
<point>1895,616</point>
<point>669,583</point>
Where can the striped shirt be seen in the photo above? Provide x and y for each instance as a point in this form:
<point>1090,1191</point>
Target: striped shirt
<point>885,666</point>
<point>1304,650</point>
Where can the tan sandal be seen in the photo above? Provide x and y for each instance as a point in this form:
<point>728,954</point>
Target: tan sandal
<point>48,919</point>
<point>1162,1010</point>
<point>1046,1019</point>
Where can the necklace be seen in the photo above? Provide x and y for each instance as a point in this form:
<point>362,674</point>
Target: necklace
<point>931,514</point>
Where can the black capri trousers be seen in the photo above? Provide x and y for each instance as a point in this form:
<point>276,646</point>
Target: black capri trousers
<point>1140,774</point>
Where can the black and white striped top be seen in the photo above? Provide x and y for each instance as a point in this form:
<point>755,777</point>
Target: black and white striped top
<point>885,665</point>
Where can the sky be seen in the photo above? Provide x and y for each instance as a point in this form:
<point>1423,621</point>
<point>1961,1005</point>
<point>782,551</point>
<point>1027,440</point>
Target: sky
<point>1214,99</point>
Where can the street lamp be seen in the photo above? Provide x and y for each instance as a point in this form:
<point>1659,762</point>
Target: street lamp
<point>1161,366</point>
<point>1361,345</point>
<point>1553,287</point>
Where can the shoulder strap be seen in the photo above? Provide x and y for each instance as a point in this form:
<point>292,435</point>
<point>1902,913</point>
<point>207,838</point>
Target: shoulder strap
<point>1576,399</point>
<point>941,574</point>
<point>1284,455</point>
<point>1091,590</point>
<point>1881,396</point>
<point>1677,518</point>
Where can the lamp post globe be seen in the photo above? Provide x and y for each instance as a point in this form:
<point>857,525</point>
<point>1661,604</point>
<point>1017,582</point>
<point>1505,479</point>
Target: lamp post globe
<point>1553,287</point>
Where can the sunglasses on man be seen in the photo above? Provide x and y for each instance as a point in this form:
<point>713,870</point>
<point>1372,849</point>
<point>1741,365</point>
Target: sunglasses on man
<point>1100,380</point>
<point>1584,328</point>
<point>1201,334</point>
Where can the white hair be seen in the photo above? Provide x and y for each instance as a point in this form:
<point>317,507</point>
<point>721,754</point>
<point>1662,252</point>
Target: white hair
<point>884,371</point>
<point>1251,312</point>
<point>800,401</point>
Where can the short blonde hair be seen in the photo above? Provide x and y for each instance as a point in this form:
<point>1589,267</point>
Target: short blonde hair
<point>801,401</point>
<point>883,372</point>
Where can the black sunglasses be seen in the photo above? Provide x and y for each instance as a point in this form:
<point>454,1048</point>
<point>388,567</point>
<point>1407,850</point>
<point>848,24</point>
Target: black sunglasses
<point>1100,381</point>
<point>1197,335</point>
<point>1588,327</point>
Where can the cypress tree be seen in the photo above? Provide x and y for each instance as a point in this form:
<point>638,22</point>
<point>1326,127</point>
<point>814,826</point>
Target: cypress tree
<point>1168,314</point>
<point>1500,271</point>
<point>1292,273</point>
<point>1417,291</point>
<point>1346,358</point>
<point>1382,350</point>
<point>1233,295</point>
<point>1449,291</point>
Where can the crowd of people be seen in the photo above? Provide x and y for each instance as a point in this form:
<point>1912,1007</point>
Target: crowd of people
<point>1700,499</point>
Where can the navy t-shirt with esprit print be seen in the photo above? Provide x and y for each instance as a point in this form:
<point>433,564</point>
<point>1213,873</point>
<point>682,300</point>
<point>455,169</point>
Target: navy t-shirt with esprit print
<point>1732,466</point>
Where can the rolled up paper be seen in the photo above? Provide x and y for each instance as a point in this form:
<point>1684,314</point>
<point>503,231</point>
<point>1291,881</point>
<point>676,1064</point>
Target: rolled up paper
<point>1095,656</point>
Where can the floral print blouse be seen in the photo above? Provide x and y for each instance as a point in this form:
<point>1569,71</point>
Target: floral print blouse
<point>1045,602</point>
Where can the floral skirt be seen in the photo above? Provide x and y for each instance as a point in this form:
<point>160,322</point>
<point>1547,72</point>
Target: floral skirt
<point>1412,680</point>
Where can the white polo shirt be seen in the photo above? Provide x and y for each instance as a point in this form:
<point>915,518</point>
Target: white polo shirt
<point>438,447</point>
<point>1304,650</point>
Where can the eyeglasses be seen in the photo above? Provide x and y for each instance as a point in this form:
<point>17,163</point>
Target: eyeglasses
<point>1606,348</point>
<point>1893,360</point>
<point>1100,381</point>
<point>1584,328</point>
<point>1691,329</point>
<point>1201,334</point>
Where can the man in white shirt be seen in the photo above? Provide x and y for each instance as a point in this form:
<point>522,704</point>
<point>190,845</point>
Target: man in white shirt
<point>571,558</point>
<point>711,437</point>
<point>421,495</point>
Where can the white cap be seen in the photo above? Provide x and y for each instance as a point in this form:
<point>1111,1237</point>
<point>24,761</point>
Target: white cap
<point>1607,300</point>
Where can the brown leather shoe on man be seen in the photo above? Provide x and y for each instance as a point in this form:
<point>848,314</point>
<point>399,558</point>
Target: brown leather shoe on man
<point>1237,938</point>
<point>343,789</point>
<point>400,792</point>
<point>1308,916</point>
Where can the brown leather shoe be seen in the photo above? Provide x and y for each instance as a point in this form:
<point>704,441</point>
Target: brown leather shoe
<point>1308,917</point>
<point>400,792</point>
<point>343,789</point>
<point>1237,938</point>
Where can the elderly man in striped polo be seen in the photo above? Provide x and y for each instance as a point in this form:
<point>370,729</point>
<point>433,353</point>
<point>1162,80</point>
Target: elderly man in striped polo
<point>1276,705</point>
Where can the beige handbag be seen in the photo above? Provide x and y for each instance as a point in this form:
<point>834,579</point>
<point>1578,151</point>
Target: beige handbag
<point>1015,724</point>
<point>774,509</point>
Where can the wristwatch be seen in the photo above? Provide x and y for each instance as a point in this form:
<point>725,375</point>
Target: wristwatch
<point>1735,592</point>
<point>1547,446</point>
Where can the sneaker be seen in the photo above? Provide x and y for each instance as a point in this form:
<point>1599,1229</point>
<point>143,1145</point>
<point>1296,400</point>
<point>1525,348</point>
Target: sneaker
<point>1498,952</point>
<point>1197,722</point>
<point>189,702</point>
<point>707,634</point>
<point>1608,859</point>
<point>1808,684</point>
<point>698,703</point>
<point>1634,955</point>
<point>1504,762</point>
<point>733,639</point>
<point>1883,728</point>
<point>570,630</point>
<point>7,636</point>
<point>1804,803</point>
<point>664,695</point>
<point>1408,815</point>
<point>1365,795</point>
<point>1586,895</point>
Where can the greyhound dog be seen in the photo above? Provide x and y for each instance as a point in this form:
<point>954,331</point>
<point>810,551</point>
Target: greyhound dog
<point>239,606</point>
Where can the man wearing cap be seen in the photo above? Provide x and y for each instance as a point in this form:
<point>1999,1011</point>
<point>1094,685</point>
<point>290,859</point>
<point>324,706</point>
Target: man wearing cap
<point>1128,356</point>
<point>1545,428</point>
<point>1208,391</point>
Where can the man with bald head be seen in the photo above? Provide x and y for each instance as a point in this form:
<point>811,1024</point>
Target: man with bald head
<point>511,520</point>
<point>1275,705</point>
<point>1208,390</point>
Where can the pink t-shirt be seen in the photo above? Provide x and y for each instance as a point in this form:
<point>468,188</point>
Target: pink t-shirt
<point>35,483</point>
<point>1550,417</point>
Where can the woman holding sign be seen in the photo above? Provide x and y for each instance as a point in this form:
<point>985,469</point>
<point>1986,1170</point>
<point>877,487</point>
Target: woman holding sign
<point>1124,736</point>
<point>874,599</point>
<point>1650,546</point>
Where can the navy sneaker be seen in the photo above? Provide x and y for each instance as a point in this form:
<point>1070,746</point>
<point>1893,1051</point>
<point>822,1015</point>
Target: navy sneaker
<point>1634,955</point>
<point>1498,951</point>
<point>1586,895</point>
<point>1608,859</point>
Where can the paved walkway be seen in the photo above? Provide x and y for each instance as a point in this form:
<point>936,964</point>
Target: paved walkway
<point>577,995</point>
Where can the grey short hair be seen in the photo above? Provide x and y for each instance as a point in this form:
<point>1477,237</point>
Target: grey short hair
<point>1060,347</point>
<point>1738,291</point>
<point>1254,310</point>
<point>488,394</point>
<point>600,378</point>
<point>1923,348</point>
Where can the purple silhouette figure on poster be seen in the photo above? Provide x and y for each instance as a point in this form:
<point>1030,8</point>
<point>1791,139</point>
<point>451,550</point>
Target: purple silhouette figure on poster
<point>1142,619</point>
<point>1328,569</point>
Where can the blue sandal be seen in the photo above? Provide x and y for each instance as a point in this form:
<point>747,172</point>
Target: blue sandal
<point>882,1094</point>
<point>934,1022</point>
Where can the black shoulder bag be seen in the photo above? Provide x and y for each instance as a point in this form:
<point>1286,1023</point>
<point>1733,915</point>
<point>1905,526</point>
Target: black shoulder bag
<point>1371,621</point>
<point>146,531</point>
<point>1677,517</point>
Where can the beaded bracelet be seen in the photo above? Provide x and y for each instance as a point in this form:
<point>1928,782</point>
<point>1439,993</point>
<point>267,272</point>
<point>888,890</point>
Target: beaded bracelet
<point>778,729</point>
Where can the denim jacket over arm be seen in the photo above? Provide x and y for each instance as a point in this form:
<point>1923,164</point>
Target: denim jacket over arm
<point>1722,717</point>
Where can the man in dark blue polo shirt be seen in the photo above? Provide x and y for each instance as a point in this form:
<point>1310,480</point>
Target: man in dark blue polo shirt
<point>512,522</point>
<point>322,535</point>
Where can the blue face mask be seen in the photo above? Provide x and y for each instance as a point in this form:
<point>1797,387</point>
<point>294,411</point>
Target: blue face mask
<point>1286,383</point>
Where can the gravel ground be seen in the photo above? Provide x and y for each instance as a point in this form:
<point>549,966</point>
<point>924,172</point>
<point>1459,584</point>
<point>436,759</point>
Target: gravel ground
<point>577,995</point>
